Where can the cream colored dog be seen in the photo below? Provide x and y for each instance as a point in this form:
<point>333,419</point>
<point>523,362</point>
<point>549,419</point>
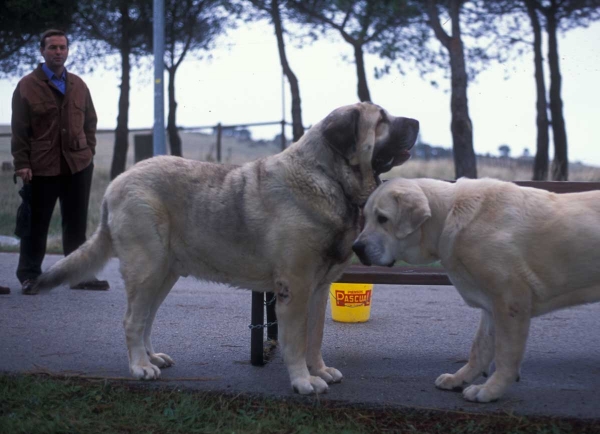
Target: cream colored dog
<point>284,224</point>
<point>514,252</point>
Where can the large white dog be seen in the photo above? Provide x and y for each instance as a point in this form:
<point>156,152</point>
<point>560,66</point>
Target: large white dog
<point>284,223</point>
<point>514,252</point>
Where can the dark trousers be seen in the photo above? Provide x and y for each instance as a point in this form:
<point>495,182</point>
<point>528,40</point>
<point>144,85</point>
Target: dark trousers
<point>73,193</point>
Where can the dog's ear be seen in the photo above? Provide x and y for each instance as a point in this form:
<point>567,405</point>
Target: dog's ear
<point>413,211</point>
<point>340,129</point>
<point>394,150</point>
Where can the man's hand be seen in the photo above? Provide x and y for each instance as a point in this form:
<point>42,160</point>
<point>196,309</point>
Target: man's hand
<point>24,174</point>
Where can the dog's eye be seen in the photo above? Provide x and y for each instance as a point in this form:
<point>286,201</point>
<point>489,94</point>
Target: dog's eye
<point>381,219</point>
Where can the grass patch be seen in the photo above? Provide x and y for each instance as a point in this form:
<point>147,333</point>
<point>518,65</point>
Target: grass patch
<point>42,404</point>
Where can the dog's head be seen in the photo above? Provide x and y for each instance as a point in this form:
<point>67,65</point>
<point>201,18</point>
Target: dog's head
<point>371,141</point>
<point>394,215</point>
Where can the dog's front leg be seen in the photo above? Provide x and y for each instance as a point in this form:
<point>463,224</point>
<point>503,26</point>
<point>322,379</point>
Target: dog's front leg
<point>291,309</point>
<point>480,358</point>
<point>511,321</point>
<point>316,321</point>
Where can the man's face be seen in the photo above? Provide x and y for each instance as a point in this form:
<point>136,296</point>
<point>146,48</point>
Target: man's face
<point>55,52</point>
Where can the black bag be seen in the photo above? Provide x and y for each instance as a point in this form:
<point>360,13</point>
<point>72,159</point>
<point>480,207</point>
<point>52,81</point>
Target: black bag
<point>23,228</point>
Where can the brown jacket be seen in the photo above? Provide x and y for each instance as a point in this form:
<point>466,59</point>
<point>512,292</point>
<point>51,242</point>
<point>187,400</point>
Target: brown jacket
<point>45,125</point>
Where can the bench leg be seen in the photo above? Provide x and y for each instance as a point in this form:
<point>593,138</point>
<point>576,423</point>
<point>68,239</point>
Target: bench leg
<point>257,332</point>
<point>271,317</point>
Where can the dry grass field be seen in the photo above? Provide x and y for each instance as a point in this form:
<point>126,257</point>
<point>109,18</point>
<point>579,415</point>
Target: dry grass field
<point>510,170</point>
<point>202,147</point>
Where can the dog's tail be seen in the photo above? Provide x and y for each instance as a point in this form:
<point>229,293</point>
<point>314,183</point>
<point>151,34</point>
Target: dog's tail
<point>89,259</point>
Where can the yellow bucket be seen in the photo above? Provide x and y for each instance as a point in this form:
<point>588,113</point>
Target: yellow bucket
<point>351,302</point>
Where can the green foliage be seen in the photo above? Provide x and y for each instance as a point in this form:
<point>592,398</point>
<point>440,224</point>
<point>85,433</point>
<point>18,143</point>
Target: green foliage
<point>21,24</point>
<point>34,404</point>
<point>118,24</point>
<point>395,30</point>
<point>192,26</point>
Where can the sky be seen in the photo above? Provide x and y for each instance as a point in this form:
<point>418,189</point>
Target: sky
<point>242,83</point>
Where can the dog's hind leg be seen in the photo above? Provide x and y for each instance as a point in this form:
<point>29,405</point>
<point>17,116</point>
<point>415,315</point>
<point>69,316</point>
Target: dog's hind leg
<point>161,360</point>
<point>512,318</point>
<point>147,281</point>
<point>316,321</point>
<point>482,354</point>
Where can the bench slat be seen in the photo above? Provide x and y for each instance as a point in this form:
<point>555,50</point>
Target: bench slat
<point>395,275</point>
<point>561,186</point>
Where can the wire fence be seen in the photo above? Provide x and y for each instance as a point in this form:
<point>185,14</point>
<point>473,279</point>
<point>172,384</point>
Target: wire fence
<point>219,128</point>
<point>143,136</point>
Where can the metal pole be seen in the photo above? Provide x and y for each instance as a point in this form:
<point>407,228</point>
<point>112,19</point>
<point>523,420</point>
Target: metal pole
<point>282,111</point>
<point>219,134</point>
<point>158,33</point>
<point>257,333</point>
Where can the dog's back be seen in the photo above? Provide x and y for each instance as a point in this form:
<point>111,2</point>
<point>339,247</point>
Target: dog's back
<point>550,240</point>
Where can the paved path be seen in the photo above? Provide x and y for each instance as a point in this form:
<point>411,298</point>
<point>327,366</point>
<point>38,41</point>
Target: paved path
<point>415,333</point>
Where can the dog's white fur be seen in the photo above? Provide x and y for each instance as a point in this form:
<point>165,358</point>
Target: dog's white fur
<point>514,252</point>
<point>284,223</point>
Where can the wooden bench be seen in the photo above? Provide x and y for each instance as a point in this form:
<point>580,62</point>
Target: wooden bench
<point>377,275</point>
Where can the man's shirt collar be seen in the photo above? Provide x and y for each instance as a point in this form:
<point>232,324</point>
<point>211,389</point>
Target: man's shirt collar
<point>59,82</point>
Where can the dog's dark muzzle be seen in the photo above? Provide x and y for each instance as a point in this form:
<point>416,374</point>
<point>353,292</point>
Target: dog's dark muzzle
<point>395,150</point>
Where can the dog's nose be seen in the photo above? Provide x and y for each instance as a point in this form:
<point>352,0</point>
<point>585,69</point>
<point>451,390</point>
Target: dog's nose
<point>359,248</point>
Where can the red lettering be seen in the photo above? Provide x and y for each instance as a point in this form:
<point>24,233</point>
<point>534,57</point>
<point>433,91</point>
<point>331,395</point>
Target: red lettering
<point>361,298</point>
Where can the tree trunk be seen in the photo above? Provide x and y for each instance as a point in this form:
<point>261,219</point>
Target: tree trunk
<point>119,161</point>
<point>363,87</point>
<point>540,168</point>
<point>297,125</point>
<point>465,164</point>
<point>174,138</point>
<point>461,126</point>
<point>560,165</point>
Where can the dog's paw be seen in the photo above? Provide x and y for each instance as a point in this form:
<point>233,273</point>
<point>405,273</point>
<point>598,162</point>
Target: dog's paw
<point>161,360</point>
<point>145,372</point>
<point>310,385</point>
<point>449,382</point>
<point>329,375</point>
<point>479,393</point>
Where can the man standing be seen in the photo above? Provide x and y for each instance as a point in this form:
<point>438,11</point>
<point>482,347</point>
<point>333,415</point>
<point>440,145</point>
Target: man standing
<point>53,144</point>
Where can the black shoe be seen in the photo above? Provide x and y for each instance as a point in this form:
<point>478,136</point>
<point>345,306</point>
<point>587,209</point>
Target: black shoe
<point>92,285</point>
<point>4,290</point>
<point>29,287</point>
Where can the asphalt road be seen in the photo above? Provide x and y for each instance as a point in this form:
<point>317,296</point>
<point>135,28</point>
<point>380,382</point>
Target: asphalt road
<point>414,334</point>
